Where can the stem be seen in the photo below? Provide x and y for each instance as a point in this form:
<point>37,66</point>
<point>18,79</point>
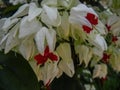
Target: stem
<point>74,56</point>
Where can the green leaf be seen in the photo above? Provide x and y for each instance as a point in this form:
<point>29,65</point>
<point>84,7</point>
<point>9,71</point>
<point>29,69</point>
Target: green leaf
<point>16,73</point>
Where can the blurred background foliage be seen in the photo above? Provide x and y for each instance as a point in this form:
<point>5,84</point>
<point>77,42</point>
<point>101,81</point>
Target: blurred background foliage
<point>16,74</point>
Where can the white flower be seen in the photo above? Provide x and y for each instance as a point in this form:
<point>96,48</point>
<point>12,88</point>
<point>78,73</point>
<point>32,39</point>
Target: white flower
<point>83,16</point>
<point>66,64</point>
<point>45,35</point>
<point>112,19</point>
<point>115,60</point>
<point>47,72</point>
<point>85,54</point>
<point>100,71</point>
<point>113,25</point>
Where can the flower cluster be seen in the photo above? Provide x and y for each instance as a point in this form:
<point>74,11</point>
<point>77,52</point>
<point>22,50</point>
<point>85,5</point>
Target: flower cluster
<point>47,35</point>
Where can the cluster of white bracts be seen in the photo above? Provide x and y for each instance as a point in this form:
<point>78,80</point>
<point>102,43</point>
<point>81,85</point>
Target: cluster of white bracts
<point>25,33</point>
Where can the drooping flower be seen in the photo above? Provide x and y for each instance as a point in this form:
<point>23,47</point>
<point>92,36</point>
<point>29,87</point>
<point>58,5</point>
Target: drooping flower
<point>41,59</point>
<point>85,54</point>
<point>83,16</point>
<point>46,73</point>
<point>66,64</point>
<point>100,71</point>
<point>115,59</point>
<point>113,25</point>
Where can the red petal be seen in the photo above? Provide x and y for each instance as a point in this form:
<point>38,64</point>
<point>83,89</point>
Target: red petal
<point>114,39</point>
<point>87,29</point>
<point>105,58</point>
<point>53,57</point>
<point>46,52</point>
<point>108,27</point>
<point>92,18</point>
<point>40,59</point>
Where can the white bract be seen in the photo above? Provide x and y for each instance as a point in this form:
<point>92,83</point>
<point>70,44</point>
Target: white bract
<point>64,29</point>
<point>85,54</point>
<point>45,35</point>
<point>99,42</point>
<point>46,73</point>
<point>27,48</point>
<point>22,11</point>
<point>29,27</point>
<point>50,16</point>
<point>66,64</point>
<point>70,29</point>
<point>78,14</point>
<point>12,40</point>
<point>9,23</point>
<point>100,71</point>
<point>34,11</point>
<point>113,24</point>
<point>115,60</point>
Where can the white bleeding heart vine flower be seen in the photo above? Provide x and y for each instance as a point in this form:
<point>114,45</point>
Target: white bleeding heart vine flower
<point>51,34</point>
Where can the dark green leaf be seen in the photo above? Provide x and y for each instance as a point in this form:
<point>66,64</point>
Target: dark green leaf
<point>16,73</point>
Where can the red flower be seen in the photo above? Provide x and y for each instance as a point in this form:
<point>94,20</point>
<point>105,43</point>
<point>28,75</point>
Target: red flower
<point>114,39</point>
<point>92,18</point>
<point>87,29</point>
<point>106,57</point>
<point>108,27</point>
<point>41,59</point>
